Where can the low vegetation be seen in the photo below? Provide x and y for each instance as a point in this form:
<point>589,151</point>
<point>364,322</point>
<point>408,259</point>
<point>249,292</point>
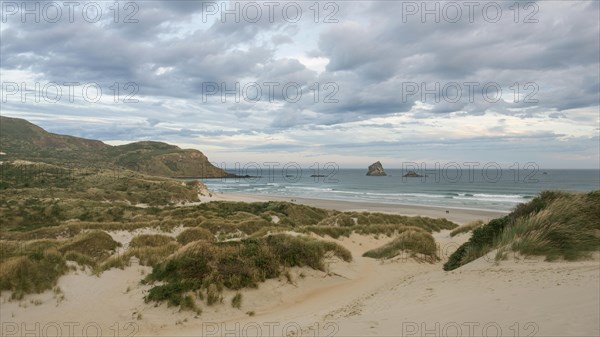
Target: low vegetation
<point>67,213</point>
<point>32,273</point>
<point>466,228</point>
<point>150,240</point>
<point>204,267</point>
<point>195,234</point>
<point>554,224</point>
<point>416,243</point>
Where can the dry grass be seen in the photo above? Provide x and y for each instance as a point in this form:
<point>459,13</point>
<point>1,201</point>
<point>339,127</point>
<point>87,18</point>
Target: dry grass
<point>419,244</point>
<point>32,274</point>
<point>96,244</point>
<point>235,265</point>
<point>150,240</point>
<point>466,228</point>
<point>569,228</point>
<point>195,234</point>
<point>554,225</point>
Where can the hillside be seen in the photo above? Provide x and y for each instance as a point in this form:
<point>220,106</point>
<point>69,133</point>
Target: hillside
<point>22,140</point>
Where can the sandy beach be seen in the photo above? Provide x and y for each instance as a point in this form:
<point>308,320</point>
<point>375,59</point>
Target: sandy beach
<point>458,215</point>
<point>365,297</point>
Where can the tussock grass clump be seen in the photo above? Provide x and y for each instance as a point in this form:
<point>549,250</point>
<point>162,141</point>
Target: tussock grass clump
<point>195,234</point>
<point>253,225</point>
<point>341,219</point>
<point>81,259</point>
<point>236,301</point>
<point>33,273</point>
<point>481,242</point>
<point>554,224</point>
<point>235,265</point>
<point>96,244</point>
<point>10,249</point>
<point>569,228</point>
<point>337,232</point>
<point>334,232</point>
<point>466,228</point>
<point>429,224</point>
<point>150,240</point>
<point>302,251</point>
<point>420,244</point>
<point>147,256</point>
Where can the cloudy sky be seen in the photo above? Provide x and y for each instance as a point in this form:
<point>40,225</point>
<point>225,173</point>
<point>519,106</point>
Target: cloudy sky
<point>349,82</point>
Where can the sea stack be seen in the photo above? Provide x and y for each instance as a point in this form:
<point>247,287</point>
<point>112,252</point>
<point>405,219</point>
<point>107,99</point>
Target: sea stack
<point>376,169</point>
<point>412,174</point>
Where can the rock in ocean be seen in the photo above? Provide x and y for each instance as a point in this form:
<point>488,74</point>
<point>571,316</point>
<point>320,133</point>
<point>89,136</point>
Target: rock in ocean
<point>376,169</point>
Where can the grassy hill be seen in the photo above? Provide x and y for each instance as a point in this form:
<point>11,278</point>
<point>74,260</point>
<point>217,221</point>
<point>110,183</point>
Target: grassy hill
<point>22,140</point>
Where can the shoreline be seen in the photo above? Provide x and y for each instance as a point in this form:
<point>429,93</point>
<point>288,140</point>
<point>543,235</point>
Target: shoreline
<point>458,215</point>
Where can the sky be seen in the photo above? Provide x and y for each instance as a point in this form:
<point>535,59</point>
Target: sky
<point>345,82</point>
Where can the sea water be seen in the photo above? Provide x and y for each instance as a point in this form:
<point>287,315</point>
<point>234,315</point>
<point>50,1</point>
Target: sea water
<point>475,189</point>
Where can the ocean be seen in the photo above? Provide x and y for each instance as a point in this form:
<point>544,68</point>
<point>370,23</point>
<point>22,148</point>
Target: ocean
<point>458,188</point>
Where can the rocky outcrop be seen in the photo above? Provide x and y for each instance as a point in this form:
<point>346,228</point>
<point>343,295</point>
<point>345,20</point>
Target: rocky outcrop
<point>412,174</point>
<point>376,170</point>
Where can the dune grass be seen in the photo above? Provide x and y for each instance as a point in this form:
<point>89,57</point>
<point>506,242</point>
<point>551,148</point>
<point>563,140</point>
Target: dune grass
<point>195,234</point>
<point>466,228</point>
<point>97,245</point>
<point>554,225</point>
<point>417,243</point>
<point>32,273</point>
<point>236,301</point>
<point>66,212</point>
<point>569,229</point>
<point>235,265</point>
<point>150,240</point>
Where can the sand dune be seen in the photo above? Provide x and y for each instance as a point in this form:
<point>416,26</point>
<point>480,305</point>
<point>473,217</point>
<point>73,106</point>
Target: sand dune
<point>366,297</point>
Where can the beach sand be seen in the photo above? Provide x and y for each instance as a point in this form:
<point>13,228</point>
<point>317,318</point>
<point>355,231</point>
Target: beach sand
<point>366,297</point>
<point>458,215</point>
